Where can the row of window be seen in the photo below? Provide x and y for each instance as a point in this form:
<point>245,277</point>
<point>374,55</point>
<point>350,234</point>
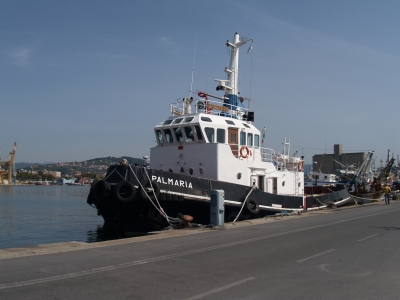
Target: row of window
<point>179,134</point>
<point>205,119</point>
<point>249,139</point>
<point>192,133</point>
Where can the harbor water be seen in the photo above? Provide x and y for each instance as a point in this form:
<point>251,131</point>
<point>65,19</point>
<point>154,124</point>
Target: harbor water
<point>35,215</point>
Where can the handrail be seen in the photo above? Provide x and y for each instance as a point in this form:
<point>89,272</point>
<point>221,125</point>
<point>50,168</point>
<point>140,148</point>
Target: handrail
<point>209,107</point>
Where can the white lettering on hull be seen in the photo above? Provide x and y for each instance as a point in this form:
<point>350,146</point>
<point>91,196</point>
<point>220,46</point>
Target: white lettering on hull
<point>180,183</point>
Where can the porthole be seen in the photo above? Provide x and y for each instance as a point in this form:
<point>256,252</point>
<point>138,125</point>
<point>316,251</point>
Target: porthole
<point>299,184</point>
<point>191,171</point>
<point>283,183</point>
<point>170,170</point>
<point>239,175</point>
<point>201,170</point>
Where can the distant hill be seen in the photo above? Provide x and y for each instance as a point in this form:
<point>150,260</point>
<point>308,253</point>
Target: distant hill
<point>96,165</point>
<point>23,165</point>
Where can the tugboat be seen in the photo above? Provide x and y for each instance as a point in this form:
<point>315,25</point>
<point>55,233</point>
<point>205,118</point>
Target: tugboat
<point>207,143</point>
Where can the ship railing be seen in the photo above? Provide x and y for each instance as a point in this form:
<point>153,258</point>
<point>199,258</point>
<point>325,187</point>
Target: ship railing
<point>212,107</point>
<point>266,154</point>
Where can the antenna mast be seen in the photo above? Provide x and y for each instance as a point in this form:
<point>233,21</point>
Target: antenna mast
<point>194,59</point>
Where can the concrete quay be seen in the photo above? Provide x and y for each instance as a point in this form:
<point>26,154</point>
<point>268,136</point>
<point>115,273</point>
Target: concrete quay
<point>75,246</point>
<point>343,253</point>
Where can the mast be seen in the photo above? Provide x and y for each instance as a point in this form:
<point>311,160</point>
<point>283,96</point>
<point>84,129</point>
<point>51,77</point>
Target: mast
<point>362,169</point>
<point>230,86</point>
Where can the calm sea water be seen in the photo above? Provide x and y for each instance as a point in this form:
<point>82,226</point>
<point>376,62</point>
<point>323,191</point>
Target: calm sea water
<point>34,215</point>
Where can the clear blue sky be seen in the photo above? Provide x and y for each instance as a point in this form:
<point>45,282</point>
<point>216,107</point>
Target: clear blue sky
<point>87,79</point>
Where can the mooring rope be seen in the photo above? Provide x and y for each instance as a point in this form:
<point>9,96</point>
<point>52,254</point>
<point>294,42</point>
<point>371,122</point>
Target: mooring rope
<point>244,203</point>
<point>381,198</point>
<point>318,200</point>
<point>115,170</point>
<point>160,210</point>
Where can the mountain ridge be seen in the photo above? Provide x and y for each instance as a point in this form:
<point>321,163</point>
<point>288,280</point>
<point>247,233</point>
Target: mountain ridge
<point>95,165</point>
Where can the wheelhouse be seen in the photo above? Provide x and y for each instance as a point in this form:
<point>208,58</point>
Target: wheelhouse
<point>206,128</point>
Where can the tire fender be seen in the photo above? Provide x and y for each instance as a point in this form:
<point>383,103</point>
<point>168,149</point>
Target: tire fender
<point>125,191</point>
<point>252,206</point>
<point>90,197</point>
<point>101,191</point>
<point>152,194</point>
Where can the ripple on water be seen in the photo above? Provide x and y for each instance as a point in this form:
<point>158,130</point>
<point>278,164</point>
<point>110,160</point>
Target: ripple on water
<point>34,215</point>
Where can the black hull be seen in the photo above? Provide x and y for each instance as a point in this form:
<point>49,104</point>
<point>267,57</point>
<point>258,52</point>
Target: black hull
<point>183,194</point>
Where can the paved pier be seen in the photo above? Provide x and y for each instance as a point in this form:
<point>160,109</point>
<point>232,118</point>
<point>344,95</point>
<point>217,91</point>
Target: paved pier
<point>331,254</point>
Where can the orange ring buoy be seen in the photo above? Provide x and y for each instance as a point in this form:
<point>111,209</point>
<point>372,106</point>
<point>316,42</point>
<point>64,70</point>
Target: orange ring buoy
<point>300,166</point>
<point>242,150</point>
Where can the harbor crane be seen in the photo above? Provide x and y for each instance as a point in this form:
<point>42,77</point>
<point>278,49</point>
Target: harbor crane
<point>348,169</point>
<point>8,175</point>
<point>358,178</point>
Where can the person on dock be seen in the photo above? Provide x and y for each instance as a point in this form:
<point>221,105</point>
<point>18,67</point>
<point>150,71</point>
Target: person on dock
<point>387,190</point>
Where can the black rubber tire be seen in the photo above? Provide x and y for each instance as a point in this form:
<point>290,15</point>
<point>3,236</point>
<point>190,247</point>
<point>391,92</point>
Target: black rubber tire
<point>93,184</point>
<point>90,197</point>
<point>152,194</point>
<point>252,206</point>
<point>101,191</point>
<point>125,191</point>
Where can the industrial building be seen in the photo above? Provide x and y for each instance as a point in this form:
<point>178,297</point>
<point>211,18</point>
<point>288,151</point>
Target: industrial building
<point>332,163</point>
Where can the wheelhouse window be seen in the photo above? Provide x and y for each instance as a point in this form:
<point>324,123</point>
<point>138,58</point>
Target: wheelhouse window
<point>160,137</point>
<point>206,119</point>
<point>178,120</point>
<point>256,140</point>
<point>189,134</point>
<point>188,119</point>
<point>249,139</point>
<point>168,136</point>
<point>210,134</point>
<point>197,130</point>
<point>242,138</point>
<point>179,134</point>
<point>221,136</point>
<point>167,122</point>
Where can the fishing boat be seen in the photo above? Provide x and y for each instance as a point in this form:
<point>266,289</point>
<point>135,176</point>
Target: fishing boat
<point>208,142</point>
<point>367,190</point>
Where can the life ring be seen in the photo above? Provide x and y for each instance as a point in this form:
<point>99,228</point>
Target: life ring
<point>146,191</point>
<point>252,206</point>
<point>242,149</point>
<point>300,166</point>
<point>101,191</point>
<point>125,191</point>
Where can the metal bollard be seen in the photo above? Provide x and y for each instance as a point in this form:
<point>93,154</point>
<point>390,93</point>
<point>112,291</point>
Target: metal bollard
<point>217,207</point>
